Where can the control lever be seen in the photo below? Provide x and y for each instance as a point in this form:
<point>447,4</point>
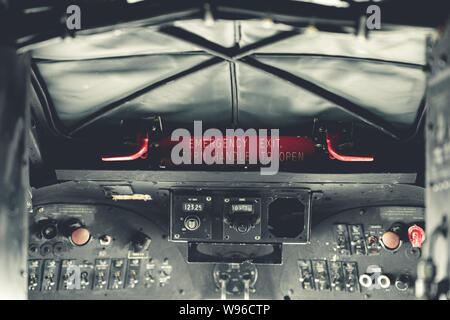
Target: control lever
<point>246,280</point>
<point>332,140</point>
<point>142,152</point>
<point>223,289</point>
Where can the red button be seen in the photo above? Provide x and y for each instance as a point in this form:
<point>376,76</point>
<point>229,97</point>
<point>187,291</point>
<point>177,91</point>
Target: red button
<point>416,236</point>
<point>80,236</point>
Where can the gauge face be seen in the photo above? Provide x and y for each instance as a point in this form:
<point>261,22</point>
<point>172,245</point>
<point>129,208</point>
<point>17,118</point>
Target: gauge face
<point>241,207</point>
<point>192,207</point>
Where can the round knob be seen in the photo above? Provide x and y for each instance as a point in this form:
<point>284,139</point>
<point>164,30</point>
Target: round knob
<point>402,283</point>
<point>391,240</point>
<point>192,223</point>
<point>365,280</point>
<point>48,229</point>
<point>243,228</point>
<point>384,281</point>
<point>80,236</point>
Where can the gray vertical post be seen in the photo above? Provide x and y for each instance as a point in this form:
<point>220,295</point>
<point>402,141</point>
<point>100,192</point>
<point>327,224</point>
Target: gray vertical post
<point>14,181</point>
<point>438,155</point>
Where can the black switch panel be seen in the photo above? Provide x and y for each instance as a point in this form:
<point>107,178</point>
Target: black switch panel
<point>306,274</point>
<point>337,276</point>
<point>34,275</point>
<point>101,274</point>
<point>341,239</point>
<point>321,276</point>
<point>357,239</point>
<point>117,274</point>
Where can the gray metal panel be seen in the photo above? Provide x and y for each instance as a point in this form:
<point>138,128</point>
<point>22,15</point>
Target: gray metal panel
<point>244,177</point>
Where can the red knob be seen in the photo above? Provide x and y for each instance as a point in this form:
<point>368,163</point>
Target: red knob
<point>416,236</point>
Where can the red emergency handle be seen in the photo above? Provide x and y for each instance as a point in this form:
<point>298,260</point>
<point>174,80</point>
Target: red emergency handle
<point>331,141</point>
<point>142,140</point>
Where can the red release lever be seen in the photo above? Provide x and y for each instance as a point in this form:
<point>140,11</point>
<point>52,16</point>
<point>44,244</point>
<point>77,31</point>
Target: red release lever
<point>142,153</point>
<point>416,235</point>
<point>331,140</point>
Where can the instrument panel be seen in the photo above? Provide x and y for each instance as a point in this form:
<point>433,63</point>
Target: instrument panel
<point>100,248</point>
<point>121,256</point>
<point>358,253</point>
<point>244,215</point>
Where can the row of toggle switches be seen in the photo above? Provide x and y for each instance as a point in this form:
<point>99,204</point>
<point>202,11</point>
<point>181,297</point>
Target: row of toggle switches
<point>113,274</point>
<point>320,275</point>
